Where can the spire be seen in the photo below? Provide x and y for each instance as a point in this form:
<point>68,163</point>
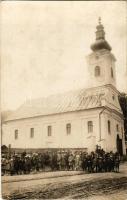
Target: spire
<point>100,34</point>
<point>100,42</point>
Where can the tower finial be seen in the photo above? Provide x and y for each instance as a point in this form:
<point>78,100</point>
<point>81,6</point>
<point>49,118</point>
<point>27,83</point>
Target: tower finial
<point>99,20</point>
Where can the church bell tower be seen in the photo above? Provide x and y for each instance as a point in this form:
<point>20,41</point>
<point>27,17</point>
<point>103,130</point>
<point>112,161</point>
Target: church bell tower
<point>101,62</point>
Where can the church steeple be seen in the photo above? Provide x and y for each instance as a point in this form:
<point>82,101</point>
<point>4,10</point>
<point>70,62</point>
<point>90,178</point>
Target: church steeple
<point>101,62</point>
<point>100,42</point>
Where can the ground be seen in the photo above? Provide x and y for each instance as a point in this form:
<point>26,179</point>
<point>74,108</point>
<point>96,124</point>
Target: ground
<point>67,185</point>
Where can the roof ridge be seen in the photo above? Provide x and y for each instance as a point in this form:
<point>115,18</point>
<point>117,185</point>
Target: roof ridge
<point>67,101</point>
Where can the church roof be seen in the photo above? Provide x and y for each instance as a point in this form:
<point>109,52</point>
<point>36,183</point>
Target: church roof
<point>59,103</point>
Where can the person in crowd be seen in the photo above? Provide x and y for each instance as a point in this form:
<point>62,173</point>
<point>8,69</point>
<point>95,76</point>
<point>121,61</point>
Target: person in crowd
<point>98,161</point>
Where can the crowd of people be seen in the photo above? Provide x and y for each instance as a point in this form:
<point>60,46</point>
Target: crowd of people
<point>98,161</point>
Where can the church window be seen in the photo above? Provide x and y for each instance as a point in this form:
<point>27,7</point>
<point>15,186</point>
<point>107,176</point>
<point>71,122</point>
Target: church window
<point>90,126</point>
<point>32,132</point>
<point>68,128</point>
<point>97,71</point>
<point>109,127</point>
<point>16,134</point>
<point>117,128</point>
<point>49,129</point>
<point>112,75</point>
<point>113,97</point>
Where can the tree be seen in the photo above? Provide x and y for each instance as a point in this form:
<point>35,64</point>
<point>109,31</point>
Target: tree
<point>123,104</point>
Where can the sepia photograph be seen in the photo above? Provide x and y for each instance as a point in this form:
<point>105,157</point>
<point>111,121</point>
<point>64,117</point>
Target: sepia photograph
<point>63,100</point>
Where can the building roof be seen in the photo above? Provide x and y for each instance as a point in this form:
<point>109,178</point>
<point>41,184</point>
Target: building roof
<point>76,100</point>
<point>59,103</point>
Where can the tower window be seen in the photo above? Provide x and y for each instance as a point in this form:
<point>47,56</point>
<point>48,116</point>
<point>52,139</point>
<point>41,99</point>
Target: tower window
<point>117,128</point>
<point>109,127</point>
<point>68,128</point>
<point>97,71</point>
<point>49,129</point>
<point>113,97</point>
<point>16,134</point>
<point>112,75</point>
<point>90,126</point>
<point>32,132</point>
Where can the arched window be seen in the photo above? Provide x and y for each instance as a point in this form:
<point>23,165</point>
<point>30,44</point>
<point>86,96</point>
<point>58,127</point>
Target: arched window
<point>49,129</point>
<point>97,71</point>
<point>16,134</point>
<point>113,97</point>
<point>32,132</point>
<point>90,126</point>
<point>68,128</point>
<point>117,128</point>
<point>112,75</point>
<point>109,127</point>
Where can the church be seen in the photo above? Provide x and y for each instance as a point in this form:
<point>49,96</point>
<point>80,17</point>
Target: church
<point>79,119</point>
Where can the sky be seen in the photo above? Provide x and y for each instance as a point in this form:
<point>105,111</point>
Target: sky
<point>44,45</point>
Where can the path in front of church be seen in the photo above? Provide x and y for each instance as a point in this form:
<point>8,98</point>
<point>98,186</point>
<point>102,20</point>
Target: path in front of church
<point>67,185</point>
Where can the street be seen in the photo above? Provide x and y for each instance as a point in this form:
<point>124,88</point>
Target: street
<point>67,185</point>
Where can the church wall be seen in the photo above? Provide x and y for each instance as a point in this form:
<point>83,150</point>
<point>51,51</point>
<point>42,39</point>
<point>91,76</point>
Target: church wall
<point>109,139</point>
<point>112,100</point>
<point>79,137</point>
<point>108,64</point>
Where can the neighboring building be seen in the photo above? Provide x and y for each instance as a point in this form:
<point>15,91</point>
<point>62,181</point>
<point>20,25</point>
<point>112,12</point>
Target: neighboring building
<point>78,119</point>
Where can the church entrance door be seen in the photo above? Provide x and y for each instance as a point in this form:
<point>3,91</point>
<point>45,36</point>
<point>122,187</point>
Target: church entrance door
<point>119,145</point>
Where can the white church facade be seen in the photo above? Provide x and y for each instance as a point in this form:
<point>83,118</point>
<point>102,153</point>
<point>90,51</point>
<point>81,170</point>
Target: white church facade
<point>80,119</point>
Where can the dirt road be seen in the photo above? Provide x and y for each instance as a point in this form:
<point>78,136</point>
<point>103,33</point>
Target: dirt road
<point>111,186</point>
